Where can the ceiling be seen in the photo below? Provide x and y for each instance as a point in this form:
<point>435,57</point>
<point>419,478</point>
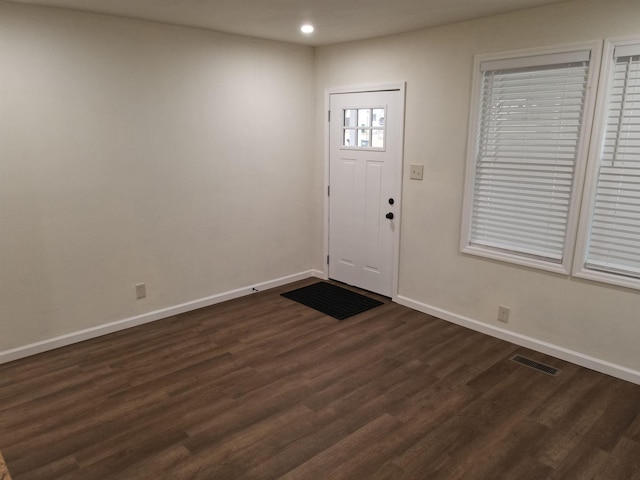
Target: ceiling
<point>335,21</point>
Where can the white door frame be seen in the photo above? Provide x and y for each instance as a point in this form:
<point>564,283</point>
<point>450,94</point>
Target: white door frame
<point>401,87</point>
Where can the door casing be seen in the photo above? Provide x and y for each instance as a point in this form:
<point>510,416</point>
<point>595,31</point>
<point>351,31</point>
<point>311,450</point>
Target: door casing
<point>401,87</point>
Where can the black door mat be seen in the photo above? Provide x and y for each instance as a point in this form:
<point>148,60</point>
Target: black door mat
<point>332,300</point>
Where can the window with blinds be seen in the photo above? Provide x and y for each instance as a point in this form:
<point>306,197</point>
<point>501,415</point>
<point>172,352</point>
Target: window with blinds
<point>527,147</point>
<point>614,227</point>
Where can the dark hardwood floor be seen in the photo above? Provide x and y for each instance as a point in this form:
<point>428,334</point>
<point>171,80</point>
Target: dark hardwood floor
<point>262,387</point>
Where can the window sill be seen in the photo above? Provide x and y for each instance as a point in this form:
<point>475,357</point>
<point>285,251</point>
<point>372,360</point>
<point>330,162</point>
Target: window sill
<point>517,260</point>
<point>609,278</point>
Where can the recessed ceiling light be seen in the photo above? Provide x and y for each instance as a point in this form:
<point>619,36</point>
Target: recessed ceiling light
<point>306,28</point>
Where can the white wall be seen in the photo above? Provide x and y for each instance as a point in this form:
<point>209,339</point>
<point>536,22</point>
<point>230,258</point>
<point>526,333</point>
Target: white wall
<point>138,152</point>
<point>589,318</point>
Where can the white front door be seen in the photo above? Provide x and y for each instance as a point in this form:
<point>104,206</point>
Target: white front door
<point>365,180</point>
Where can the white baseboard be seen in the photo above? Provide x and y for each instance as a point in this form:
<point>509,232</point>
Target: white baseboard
<point>578,358</point>
<point>321,274</point>
<point>93,332</point>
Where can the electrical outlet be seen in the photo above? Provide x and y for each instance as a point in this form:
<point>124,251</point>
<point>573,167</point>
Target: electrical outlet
<point>503,313</point>
<point>141,291</point>
<point>416,171</point>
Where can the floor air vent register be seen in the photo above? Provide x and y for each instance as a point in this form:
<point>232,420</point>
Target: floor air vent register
<point>541,367</point>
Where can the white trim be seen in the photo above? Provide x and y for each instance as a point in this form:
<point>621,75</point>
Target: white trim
<point>536,60</point>
<point>93,332</point>
<point>395,86</point>
<point>572,356</point>
<point>565,267</point>
<point>382,87</point>
<point>396,253</point>
<point>516,259</point>
<point>324,275</point>
<point>588,190</point>
<point>605,277</point>
<point>527,52</point>
<point>586,361</point>
<point>611,46</point>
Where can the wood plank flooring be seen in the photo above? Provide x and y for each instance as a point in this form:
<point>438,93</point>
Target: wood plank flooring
<point>262,387</point>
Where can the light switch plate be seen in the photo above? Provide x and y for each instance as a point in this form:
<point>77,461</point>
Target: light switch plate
<point>416,171</point>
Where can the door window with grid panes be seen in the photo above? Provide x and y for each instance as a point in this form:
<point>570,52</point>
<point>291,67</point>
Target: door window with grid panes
<point>364,128</point>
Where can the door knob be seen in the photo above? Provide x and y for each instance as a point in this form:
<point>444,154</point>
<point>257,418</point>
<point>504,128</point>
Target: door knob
<point>389,216</point>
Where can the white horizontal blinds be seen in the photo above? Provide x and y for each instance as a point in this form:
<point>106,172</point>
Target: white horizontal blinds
<point>614,241</point>
<point>530,126</point>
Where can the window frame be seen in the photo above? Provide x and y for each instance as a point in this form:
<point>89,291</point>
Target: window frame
<point>580,270</point>
<point>527,55</point>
